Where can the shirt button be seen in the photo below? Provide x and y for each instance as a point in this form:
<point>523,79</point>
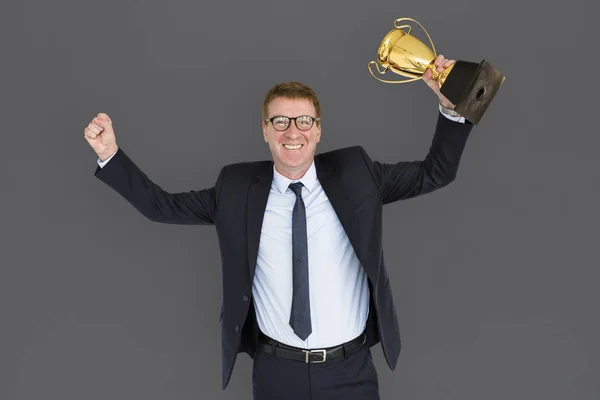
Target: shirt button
<point>245,297</point>
<point>237,328</point>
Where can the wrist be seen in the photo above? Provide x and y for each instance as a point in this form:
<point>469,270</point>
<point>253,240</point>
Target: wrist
<point>108,153</point>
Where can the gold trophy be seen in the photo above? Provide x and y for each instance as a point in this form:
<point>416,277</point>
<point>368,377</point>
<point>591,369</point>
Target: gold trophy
<point>469,86</point>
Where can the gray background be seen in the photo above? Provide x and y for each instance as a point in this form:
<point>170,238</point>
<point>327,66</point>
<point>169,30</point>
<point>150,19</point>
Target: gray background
<point>497,294</point>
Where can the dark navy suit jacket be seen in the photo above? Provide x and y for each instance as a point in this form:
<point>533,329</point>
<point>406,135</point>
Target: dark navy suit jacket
<point>357,188</point>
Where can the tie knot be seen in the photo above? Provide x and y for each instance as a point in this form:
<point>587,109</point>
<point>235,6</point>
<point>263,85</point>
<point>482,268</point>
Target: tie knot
<point>297,188</point>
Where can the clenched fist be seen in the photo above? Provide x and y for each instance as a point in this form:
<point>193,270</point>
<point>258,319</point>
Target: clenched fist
<point>101,136</point>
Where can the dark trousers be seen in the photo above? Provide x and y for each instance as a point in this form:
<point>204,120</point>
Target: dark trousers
<point>351,378</point>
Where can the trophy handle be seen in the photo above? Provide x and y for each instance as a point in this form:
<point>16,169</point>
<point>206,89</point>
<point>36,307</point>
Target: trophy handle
<point>409,30</point>
<point>403,26</point>
<point>383,72</point>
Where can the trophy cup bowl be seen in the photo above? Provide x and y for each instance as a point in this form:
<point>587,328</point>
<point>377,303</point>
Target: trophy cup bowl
<point>469,86</point>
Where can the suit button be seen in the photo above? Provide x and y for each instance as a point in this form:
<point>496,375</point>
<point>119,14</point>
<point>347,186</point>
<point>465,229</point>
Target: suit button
<point>237,328</point>
<point>245,297</point>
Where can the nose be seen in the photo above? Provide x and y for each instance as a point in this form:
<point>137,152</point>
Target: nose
<point>292,131</point>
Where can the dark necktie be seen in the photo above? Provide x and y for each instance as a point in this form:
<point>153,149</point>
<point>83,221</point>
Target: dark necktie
<point>300,315</point>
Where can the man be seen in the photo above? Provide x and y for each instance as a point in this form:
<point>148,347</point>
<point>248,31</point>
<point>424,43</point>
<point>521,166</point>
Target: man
<point>305,289</point>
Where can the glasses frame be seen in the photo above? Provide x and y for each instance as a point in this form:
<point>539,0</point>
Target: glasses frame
<point>290,119</point>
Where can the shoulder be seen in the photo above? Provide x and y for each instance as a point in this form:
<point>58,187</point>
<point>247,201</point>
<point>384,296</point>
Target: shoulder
<point>352,162</point>
<point>248,170</point>
<point>342,155</point>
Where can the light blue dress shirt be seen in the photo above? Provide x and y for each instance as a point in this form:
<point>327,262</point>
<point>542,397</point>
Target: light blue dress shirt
<point>339,293</point>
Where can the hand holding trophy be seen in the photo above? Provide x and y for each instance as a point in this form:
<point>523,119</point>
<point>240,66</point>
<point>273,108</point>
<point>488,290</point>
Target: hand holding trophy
<point>440,64</point>
<point>468,86</point>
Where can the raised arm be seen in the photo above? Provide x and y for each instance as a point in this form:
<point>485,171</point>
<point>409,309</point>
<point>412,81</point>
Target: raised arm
<point>407,179</point>
<point>127,179</point>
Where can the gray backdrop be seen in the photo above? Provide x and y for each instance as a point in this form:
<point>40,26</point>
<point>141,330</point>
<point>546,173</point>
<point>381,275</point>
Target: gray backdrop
<point>497,296</point>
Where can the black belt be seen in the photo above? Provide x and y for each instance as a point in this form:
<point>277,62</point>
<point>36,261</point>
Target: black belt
<point>273,347</point>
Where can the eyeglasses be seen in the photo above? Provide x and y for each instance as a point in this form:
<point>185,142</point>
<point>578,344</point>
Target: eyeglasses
<point>281,123</point>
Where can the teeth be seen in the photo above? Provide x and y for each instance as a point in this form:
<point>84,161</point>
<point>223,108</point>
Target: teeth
<point>292,147</point>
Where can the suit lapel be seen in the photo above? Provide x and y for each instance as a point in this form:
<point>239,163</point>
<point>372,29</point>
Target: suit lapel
<point>344,204</point>
<point>339,199</point>
<point>258,195</point>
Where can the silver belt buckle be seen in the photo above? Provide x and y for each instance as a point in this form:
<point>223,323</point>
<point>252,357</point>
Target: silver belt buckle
<point>309,352</point>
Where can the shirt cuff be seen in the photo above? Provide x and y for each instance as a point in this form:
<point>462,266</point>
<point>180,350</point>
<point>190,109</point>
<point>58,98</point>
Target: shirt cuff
<point>103,163</point>
<point>460,119</point>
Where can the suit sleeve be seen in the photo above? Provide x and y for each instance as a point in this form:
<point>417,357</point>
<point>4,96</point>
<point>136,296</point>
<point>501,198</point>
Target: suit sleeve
<point>407,179</point>
<point>184,208</point>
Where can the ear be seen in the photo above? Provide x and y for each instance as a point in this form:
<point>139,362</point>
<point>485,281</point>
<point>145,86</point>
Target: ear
<point>264,129</point>
<point>318,133</point>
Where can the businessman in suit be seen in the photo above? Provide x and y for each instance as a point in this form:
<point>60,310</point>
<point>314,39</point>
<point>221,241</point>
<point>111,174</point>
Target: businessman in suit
<point>305,289</point>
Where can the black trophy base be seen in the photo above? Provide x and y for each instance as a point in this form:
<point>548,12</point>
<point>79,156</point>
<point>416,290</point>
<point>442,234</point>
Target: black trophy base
<point>471,88</point>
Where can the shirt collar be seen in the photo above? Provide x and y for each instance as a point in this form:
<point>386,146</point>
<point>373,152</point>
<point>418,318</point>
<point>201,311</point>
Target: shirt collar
<point>308,180</point>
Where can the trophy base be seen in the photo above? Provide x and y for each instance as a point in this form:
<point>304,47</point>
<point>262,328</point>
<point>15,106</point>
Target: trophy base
<point>471,88</point>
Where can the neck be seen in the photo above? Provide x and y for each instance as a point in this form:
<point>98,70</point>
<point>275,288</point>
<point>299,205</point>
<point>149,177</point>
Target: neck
<point>293,173</point>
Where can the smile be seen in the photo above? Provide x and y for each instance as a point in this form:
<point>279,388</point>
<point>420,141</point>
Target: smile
<point>292,146</point>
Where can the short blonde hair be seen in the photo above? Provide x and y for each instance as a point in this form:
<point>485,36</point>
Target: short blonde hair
<point>291,90</point>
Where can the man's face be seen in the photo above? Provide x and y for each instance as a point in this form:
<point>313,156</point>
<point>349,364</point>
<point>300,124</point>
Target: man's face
<point>293,150</point>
